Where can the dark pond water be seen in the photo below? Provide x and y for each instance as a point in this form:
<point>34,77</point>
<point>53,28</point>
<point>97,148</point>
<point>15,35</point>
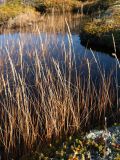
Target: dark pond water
<point>53,33</point>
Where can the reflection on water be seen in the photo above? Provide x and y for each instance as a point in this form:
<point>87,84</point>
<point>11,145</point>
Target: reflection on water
<point>52,36</point>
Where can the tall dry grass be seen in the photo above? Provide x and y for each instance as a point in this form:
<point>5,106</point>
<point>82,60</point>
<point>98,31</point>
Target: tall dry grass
<point>43,97</point>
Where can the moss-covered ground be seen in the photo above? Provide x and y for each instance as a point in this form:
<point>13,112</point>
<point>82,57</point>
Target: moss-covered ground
<point>97,144</point>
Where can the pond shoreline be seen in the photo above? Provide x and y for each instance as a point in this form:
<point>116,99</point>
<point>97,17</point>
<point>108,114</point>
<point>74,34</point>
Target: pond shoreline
<point>21,15</point>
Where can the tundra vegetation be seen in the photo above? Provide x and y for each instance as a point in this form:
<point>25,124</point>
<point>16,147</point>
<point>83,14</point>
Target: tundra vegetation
<point>47,105</point>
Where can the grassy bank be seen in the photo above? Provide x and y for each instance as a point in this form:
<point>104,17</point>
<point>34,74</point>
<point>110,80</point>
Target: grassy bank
<point>109,20</point>
<point>12,9</point>
<point>15,13</point>
<point>101,30</point>
<point>11,12</point>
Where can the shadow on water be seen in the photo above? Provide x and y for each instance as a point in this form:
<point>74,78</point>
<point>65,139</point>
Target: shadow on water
<point>105,45</point>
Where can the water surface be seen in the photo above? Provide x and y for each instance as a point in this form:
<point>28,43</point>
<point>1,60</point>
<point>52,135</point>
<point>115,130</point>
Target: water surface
<point>57,34</point>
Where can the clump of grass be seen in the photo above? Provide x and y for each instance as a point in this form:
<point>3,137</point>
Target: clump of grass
<point>45,100</point>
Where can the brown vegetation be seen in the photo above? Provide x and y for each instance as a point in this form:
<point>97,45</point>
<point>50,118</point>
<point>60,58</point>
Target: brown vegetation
<point>43,99</point>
